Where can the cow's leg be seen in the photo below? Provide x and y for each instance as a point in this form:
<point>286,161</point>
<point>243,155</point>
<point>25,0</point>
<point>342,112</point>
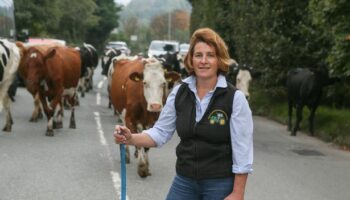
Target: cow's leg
<point>57,116</point>
<point>127,154</point>
<point>81,86</point>
<point>55,105</point>
<point>139,129</point>
<point>37,112</point>
<point>72,119</point>
<point>90,77</point>
<point>49,130</point>
<point>9,121</point>
<point>141,154</point>
<point>299,112</point>
<point>48,112</point>
<point>290,115</point>
<point>143,163</point>
<point>109,98</point>
<point>311,120</point>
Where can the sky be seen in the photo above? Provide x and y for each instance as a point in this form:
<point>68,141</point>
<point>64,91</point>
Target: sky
<point>124,2</point>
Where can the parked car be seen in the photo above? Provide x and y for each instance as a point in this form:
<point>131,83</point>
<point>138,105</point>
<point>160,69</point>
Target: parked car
<point>184,49</point>
<point>160,47</point>
<point>120,45</point>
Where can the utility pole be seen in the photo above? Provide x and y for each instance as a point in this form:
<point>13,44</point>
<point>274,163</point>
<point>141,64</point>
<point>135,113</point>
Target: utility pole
<point>169,25</point>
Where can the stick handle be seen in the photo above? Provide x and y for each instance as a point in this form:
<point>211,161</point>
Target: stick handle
<point>123,171</point>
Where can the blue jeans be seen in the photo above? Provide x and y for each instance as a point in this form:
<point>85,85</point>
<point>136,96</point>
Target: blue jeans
<point>208,189</point>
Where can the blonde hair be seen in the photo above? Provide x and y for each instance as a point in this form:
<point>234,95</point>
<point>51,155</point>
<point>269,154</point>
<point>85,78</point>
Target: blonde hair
<point>213,39</point>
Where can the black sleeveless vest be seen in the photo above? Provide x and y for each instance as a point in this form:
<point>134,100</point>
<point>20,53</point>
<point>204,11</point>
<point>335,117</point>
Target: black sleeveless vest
<point>204,151</point>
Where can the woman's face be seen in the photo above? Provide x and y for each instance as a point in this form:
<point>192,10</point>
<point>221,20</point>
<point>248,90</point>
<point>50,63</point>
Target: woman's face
<point>204,61</point>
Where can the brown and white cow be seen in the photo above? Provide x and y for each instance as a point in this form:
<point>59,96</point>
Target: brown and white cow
<point>55,75</point>
<point>138,93</point>
<point>111,71</point>
<point>9,61</point>
<point>28,59</point>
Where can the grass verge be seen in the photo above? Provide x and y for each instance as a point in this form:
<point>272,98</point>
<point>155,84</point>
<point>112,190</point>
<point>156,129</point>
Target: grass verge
<point>331,125</point>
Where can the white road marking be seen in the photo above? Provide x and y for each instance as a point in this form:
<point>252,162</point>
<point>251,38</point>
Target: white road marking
<point>114,175</point>
<point>98,98</point>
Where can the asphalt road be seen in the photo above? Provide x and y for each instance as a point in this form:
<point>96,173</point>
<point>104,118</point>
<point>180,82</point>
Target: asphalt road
<point>83,163</point>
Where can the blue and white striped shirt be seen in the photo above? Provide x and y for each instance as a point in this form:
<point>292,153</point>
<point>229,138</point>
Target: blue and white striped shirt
<point>241,123</point>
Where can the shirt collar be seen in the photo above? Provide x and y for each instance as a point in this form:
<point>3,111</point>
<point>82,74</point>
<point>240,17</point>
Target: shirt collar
<point>191,81</point>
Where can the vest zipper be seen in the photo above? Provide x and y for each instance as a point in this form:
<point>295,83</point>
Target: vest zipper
<point>195,154</point>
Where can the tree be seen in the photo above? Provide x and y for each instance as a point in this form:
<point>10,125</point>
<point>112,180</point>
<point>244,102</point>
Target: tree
<point>108,13</point>
<point>78,17</point>
<point>179,20</point>
<point>74,21</point>
<point>40,17</point>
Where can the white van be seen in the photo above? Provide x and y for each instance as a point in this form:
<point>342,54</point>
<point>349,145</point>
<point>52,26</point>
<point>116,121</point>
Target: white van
<point>156,47</point>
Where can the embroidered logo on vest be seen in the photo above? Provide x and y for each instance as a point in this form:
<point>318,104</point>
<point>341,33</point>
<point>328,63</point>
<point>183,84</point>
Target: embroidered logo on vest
<point>218,117</point>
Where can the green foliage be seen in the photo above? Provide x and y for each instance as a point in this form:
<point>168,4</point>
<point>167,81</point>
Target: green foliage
<point>38,16</point>
<point>74,21</point>
<point>107,12</point>
<point>275,36</point>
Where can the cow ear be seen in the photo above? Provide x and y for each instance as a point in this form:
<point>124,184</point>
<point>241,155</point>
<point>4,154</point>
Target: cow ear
<point>50,54</point>
<point>136,76</point>
<point>171,77</point>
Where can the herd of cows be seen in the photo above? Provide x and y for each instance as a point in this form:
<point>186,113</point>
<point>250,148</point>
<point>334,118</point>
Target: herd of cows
<point>137,86</point>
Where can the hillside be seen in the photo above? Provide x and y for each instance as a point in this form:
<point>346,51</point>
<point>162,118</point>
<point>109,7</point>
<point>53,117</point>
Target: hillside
<point>146,10</point>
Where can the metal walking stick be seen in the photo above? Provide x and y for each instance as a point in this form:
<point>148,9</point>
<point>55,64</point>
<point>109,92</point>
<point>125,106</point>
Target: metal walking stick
<point>123,172</point>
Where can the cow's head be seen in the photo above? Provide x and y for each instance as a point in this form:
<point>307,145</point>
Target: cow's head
<point>244,76</point>
<point>243,80</point>
<point>154,81</point>
<point>322,75</point>
<point>35,66</point>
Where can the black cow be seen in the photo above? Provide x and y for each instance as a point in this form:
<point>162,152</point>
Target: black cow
<point>89,61</point>
<point>107,59</point>
<point>304,87</point>
<point>171,61</point>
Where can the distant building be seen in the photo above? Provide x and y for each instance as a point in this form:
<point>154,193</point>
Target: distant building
<point>7,20</point>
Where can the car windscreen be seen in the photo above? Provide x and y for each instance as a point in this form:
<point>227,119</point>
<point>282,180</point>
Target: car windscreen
<point>117,46</point>
<point>157,46</point>
<point>160,46</point>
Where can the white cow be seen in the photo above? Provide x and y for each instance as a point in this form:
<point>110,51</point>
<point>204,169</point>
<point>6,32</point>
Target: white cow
<point>243,80</point>
<point>9,61</point>
<point>241,77</point>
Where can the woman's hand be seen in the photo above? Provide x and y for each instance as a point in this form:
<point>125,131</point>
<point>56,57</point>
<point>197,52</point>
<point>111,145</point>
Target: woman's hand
<point>122,135</point>
<point>234,196</point>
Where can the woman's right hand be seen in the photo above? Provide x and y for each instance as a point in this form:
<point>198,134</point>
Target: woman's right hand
<point>122,135</point>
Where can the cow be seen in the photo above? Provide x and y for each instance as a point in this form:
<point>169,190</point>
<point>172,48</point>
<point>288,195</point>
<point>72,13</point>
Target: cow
<point>107,58</point>
<point>171,61</point>
<point>9,61</point>
<point>304,88</point>
<point>54,76</point>
<point>28,60</point>
<point>138,93</point>
<point>241,76</point>
<point>89,62</point>
<point>110,72</point>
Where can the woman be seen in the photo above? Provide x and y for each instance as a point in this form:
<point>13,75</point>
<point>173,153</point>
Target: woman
<point>213,121</point>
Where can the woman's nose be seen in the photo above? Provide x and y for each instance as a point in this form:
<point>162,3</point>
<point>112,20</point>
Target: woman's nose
<point>204,59</point>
